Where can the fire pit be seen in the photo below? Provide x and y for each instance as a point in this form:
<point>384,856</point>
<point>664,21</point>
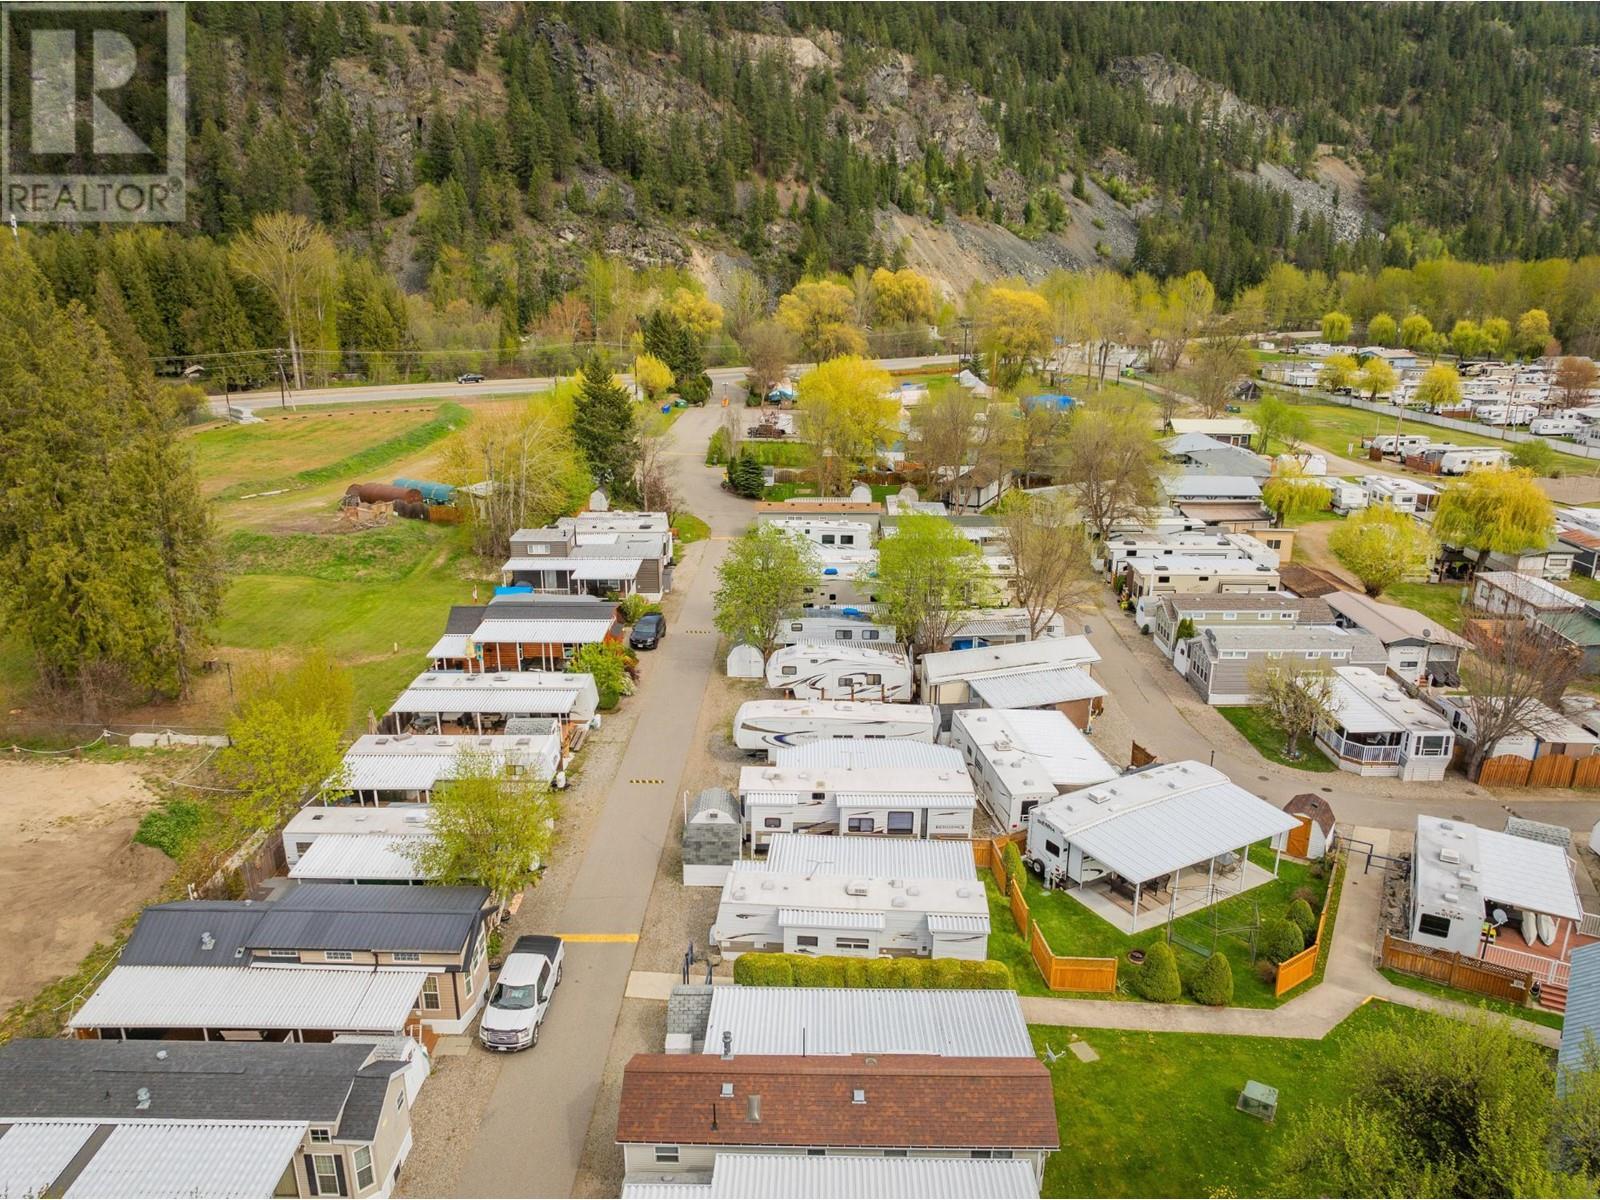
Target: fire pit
<point>1136,957</point>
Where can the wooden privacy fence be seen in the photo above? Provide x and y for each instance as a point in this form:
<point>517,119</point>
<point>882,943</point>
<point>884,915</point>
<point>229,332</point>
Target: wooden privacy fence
<point>1292,972</point>
<point>1552,770</point>
<point>990,852</point>
<point>1019,908</point>
<point>1062,974</point>
<point>1456,970</point>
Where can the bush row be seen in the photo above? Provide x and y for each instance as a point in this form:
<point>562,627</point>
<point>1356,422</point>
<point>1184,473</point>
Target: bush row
<point>806,970</point>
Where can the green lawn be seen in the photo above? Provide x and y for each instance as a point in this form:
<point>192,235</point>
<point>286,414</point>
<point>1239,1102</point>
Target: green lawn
<point>1522,1012</point>
<point>1438,601</point>
<point>1586,587</point>
<point>777,454</point>
<point>1340,430</point>
<point>1155,1115</point>
<point>689,529</point>
<point>1073,930</point>
<point>1268,739</point>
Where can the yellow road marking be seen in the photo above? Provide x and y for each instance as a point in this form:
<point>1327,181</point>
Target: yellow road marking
<point>646,781</point>
<point>598,937</point>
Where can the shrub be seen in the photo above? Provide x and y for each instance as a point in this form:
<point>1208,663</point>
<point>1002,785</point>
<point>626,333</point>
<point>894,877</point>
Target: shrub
<point>746,476</point>
<point>1213,982</point>
<point>1309,895</point>
<point>818,972</point>
<point>992,975</point>
<point>764,970</point>
<point>717,450</point>
<point>943,973</point>
<point>855,972</point>
<point>1157,977</point>
<point>635,606</point>
<point>1266,971</point>
<point>1012,858</point>
<point>172,828</point>
<point>907,973</point>
<point>880,973</point>
<point>608,663</point>
<point>1301,915</point>
<point>1280,939</point>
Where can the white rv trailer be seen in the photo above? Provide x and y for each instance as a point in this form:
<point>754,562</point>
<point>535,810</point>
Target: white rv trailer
<point>1399,445</point>
<point>1458,460</point>
<point>1504,414</point>
<point>840,672</point>
<point>814,630</point>
<point>1348,495</point>
<point>1561,425</point>
<point>765,725</point>
<point>1020,758</point>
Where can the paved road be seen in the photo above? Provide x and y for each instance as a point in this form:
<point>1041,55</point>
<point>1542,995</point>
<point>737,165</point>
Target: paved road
<point>449,389</point>
<point>532,1135</point>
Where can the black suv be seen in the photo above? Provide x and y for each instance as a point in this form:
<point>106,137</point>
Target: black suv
<point>469,377</point>
<point>648,632</point>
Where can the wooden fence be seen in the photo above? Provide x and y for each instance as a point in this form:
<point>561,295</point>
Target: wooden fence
<point>1292,972</point>
<point>1062,974</point>
<point>1550,771</point>
<point>1456,970</point>
<point>1019,908</point>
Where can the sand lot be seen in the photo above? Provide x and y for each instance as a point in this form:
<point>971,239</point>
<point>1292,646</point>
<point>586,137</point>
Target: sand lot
<point>69,871</point>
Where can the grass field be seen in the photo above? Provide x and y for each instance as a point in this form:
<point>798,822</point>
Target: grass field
<point>1073,930</point>
<point>1427,987</point>
<point>1440,602</point>
<point>1268,740</point>
<point>1155,1115</point>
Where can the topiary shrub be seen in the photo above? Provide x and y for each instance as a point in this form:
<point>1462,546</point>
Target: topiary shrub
<point>994,975</point>
<point>764,970</point>
<point>1157,977</point>
<point>1012,858</point>
<point>1301,915</point>
<point>1280,939</point>
<point>822,972</point>
<point>943,973</point>
<point>905,973</point>
<point>879,973</point>
<point>1213,983</point>
<point>855,972</point>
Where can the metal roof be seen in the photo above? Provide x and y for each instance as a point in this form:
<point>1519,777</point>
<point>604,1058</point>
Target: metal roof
<point>180,1158</point>
<point>1364,701</point>
<point>1151,823</point>
<point>34,1153</point>
<point>800,853</point>
<point>823,918</point>
<point>1391,623</point>
<point>363,856</point>
<point>334,998</point>
<point>332,916</point>
<point>957,923</point>
<point>1531,589</point>
<point>495,629</point>
<point>1511,870</point>
<point>1033,750</point>
<point>532,693</point>
<point>1182,488</point>
<point>1540,831</point>
<point>862,753</point>
<point>394,772</point>
<point>451,645</point>
<point>845,1177</point>
<point>1582,1017</point>
<point>1013,657</point>
<point>912,800</point>
<point>1030,689</point>
<point>780,1020</point>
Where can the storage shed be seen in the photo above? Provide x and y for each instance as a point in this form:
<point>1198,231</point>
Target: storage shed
<point>713,836</point>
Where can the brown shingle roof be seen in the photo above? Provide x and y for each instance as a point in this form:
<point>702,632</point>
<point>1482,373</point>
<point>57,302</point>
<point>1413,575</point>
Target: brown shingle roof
<point>1309,804</point>
<point>1310,581</point>
<point>916,1101</point>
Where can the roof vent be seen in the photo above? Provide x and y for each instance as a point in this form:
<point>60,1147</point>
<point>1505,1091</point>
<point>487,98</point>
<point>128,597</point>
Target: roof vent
<point>142,1099</point>
<point>727,1046</point>
<point>856,887</point>
<point>752,1109</point>
<point>898,902</point>
<point>161,1056</point>
<point>964,892</point>
<point>1449,854</point>
<point>207,942</point>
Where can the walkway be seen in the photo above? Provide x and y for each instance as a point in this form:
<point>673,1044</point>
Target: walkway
<point>1349,982</point>
<point>532,1135</point>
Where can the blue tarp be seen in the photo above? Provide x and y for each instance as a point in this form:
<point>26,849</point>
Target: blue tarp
<point>1056,400</point>
<point>517,589</point>
<point>432,493</point>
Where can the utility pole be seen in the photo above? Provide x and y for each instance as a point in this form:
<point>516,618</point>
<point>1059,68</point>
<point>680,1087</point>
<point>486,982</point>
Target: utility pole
<point>279,357</point>
<point>966,341</point>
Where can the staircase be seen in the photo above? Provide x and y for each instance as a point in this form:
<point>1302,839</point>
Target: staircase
<point>1553,996</point>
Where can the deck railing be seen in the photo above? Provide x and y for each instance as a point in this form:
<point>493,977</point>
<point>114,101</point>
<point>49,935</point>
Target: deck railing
<point>1545,970</point>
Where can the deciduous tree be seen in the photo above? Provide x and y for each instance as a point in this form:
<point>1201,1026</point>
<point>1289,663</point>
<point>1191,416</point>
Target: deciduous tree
<point>1495,509</point>
<point>1415,330</point>
<point>1215,369</point>
<point>1044,539</point>
<point>1111,464</point>
<point>487,827</point>
<point>652,375</point>
<point>1276,419</point>
<point>928,576</point>
<point>1382,546</point>
<point>1382,330</point>
<point>1376,377</point>
<point>1292,495</point>
<point>698,313</point>
<point>1013,332</point>
<point>294,262</point>
<point>843,414</point>
<point>821,315</point>
<point>1439,388</point>
<point>1296,698</point>
<point>1335,327</point>
<point>903,297</point>
<point>769,348</point>
<point>1512,678</point>
<point>1574,378</point>
<point>761,584</point>
<point>1533,332</point>
<point>1338,371</point>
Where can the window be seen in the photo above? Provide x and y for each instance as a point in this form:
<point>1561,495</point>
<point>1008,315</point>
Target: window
<point>805,939</point>
<point>841,635</point>
<point>790,671</point>
<point>861,825</point>
<point>772,823</point>
<point>828,539</point>
<point>1229,616</point>
<point>322,1136</point>
<point>1430,745</point>
<point>902,822</point>
<point>1051,848</point>
<point>816,1152</point>
<point>327,1181</point>
<point>364,1172</point>
<point>466,978</point>
<point>666,1154</point>
<point>430,993</point>
<point>850,943</point>
<point>847,539</point>
<point>283,954</point>
<point>894,1153</point>
<point>847,681</point>
<point>982,1154</point>
<point>869,635</point>
<point>338,955</point>
<point>796,627</point>
<point>400,1099</point>
<point>406,956</point>
<point>1286,616</point>
<point>1434,925</point>
<point>1274,653</point>
<point>874,680</point>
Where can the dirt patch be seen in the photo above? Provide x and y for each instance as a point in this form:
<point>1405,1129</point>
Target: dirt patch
<point>71,873</point>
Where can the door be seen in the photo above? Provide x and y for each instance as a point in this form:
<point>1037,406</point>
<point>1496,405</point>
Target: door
<point>1299,843</point>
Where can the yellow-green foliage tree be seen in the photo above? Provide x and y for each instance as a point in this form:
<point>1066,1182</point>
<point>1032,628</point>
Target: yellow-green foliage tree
<point>1292,495</point>
<point>1013,330</point>
<point>700,314</point>
<point>821,315</point>
<point>1382,330</point>
<point>1376,377</point>
<point>1440,387</point>
<point>1382,547</point>
<point>1338,371</point>
<point>1495,510</point>
<point>1415,330</point>
<point>928,576</point>
<point>843,414</point>
<point>652,375</point>
<point>903,297</point>
<point>1335,327</point>
<point>1533,332</point>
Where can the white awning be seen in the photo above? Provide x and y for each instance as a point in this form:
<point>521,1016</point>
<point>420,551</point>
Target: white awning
<point>913,800</point>
<point>956,923</point>
<point>366,856</point>
<point>821,918</point>
<point>1030,689</point>
<point>221,1159</point>
<point>535,632</point>
<point>451,645</point>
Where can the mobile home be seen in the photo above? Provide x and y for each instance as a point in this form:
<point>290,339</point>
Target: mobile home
<point>1559,425</point>
<point>765,725</point>
<point>850,625</point>
<point>1021,757</point>
<point>891,802</point>
<point>840,672</point>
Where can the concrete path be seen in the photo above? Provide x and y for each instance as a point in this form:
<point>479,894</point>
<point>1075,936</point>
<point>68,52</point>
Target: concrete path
<point>1349,982</point>
<point>532,1136</point>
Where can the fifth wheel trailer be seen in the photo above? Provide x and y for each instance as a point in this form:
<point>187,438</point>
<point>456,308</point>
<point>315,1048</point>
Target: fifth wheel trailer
<point>763,725</point>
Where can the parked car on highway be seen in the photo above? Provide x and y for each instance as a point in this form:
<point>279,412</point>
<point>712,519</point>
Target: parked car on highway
<point>648,632</point>
<point>469,377</point>
<point>522,994</point>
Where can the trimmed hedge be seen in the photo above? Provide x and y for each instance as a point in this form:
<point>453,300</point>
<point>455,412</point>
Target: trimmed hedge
<point>1213,982</point>
<point>1157,977</point>
<point>1301,914</point>
<point>1012,858</point>
<point>1280,939</point>
<point>758,969</point>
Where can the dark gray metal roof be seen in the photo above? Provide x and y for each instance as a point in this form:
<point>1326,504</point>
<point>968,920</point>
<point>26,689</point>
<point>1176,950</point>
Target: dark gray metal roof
<point>220,1081</point>
<point>464,619</point>
<point>548,608</point>
<point>177,935</point>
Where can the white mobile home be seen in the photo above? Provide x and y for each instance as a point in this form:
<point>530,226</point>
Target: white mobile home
<point>1020,758</point>
<point>450,702</point>
<point>882,802</point>
<point>318,825</point>
<point>1559,425</point>
<point>1376,729</point>
<point>840,672</point>
<point>1348,495</point>
<point>766,725</point>
<point>1399,445</point>
<point>1405,495</point>
<point>818,629</point>
<point>406,768</point>
<point>855,896</point>
<point>827,531</point>
<point>946,677</point>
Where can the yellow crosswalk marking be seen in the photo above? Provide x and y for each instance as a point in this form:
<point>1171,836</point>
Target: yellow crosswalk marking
<point>598,937</point>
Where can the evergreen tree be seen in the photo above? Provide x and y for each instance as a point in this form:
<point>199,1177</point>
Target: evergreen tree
<point>604,430</point>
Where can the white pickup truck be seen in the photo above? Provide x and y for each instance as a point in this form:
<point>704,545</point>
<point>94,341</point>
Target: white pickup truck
<point>522,994</point>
